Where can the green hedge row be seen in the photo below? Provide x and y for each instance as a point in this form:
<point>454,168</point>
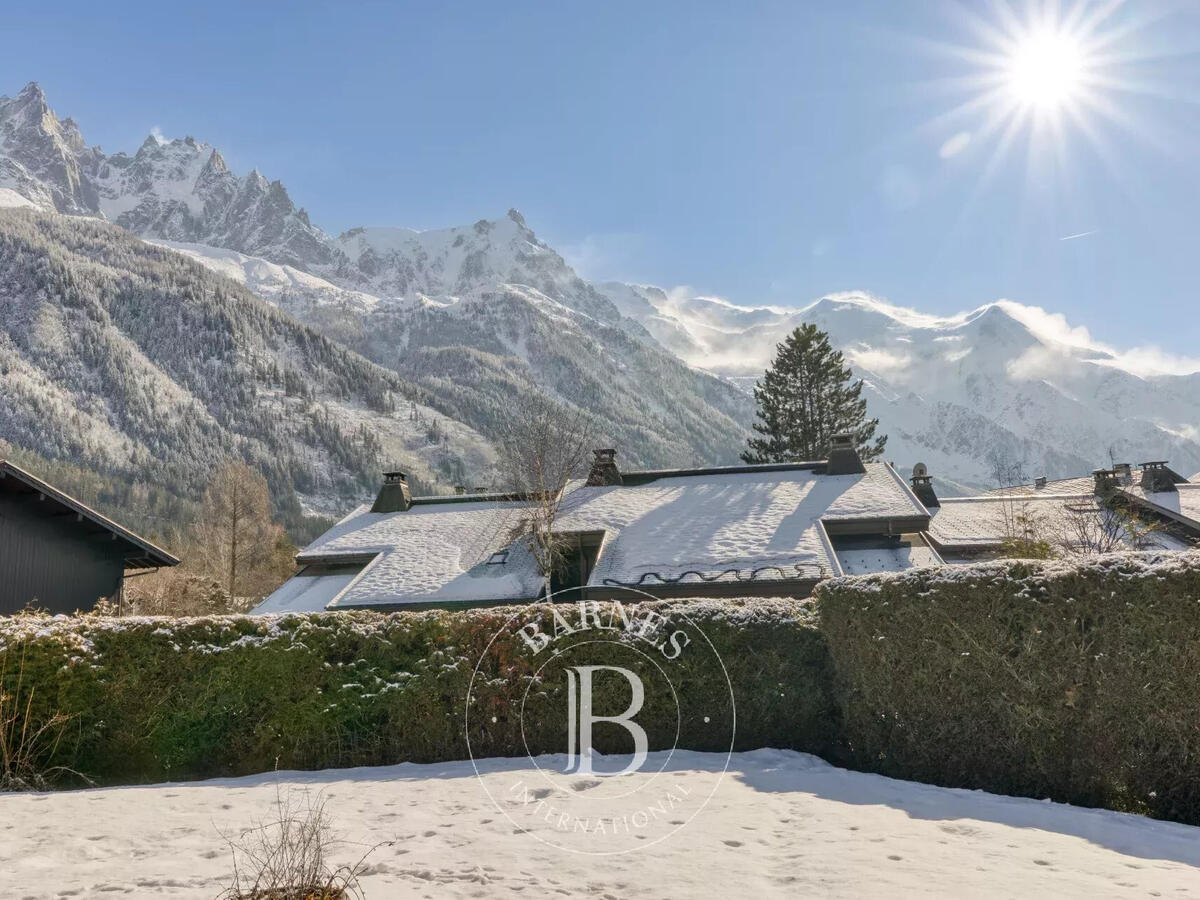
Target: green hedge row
<point>1079,682</point>
<point>191,698</point>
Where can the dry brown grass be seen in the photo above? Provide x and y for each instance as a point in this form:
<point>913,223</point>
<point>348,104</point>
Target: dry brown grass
<point>26,744</point>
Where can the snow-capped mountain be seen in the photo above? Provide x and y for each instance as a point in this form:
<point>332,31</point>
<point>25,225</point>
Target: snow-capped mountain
<point>1003,382</point>
<point>45,160</point>
<point>139,364</point>
<point>179,190</point>
<point>477,315</point>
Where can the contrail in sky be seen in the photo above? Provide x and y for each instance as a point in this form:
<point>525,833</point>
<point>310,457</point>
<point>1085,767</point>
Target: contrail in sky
<point>1071,237</point>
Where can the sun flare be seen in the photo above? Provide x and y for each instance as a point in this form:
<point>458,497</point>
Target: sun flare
<point>1046,70</point>
<point>1045,78</point>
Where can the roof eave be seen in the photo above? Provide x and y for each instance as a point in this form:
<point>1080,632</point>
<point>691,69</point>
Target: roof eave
<point>150,552</point>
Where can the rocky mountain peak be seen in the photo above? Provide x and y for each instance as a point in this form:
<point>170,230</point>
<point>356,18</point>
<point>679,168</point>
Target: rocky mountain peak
<point>216,164</point>
<point>38,155</point>
<point>31,100</point>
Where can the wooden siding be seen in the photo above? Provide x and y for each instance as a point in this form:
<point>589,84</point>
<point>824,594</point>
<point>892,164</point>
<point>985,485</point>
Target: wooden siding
<point>45,557</point>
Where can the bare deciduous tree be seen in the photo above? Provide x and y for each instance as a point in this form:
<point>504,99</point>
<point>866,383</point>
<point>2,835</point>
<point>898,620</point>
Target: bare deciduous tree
<point>236,542</point>
<point>1022,526</point>
<point>1096,526</point>
<point>1087,527</point>
<point>543,445</point>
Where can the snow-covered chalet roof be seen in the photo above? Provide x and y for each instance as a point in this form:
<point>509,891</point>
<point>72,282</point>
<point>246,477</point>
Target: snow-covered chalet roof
<point>748,524</point>
<point>982,523</point>
<point>1181,504</point>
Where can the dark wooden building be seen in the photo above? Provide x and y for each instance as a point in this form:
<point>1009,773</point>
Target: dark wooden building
<point>59,554</point>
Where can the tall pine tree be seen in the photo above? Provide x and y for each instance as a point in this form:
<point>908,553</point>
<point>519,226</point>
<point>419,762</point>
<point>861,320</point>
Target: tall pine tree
<point>805,398</point>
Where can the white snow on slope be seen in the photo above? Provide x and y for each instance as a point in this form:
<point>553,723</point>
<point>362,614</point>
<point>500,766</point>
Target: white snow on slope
<point>780,824</point>
<point>1001,381</point>
<point>285,286</point>
<point>10,199</point>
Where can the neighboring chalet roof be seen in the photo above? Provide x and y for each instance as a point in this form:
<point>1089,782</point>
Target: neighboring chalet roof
<point>139,553</point>
<point>975,524</point>
<point>1057,487</point>
<point>1180,505</point>
<point>730,525</point>
<point>1125,477</point>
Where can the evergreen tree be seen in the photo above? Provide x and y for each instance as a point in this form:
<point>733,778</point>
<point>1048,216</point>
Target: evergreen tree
<point>805,398</point>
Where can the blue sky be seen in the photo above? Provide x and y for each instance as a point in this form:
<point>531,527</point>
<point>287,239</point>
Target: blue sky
<point>764,152</point>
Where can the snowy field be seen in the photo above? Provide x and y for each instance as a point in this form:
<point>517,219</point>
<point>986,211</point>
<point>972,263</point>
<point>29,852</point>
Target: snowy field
<point>780,824</point>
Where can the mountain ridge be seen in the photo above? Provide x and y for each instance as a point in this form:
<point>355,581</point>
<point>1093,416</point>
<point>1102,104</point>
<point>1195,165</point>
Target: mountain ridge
<point>481,314</point>
<point>1000,384</point>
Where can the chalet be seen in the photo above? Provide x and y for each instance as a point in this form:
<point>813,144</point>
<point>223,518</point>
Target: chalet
<point>767,530</point>
<point>58,554</point>
<point>1069,512</point>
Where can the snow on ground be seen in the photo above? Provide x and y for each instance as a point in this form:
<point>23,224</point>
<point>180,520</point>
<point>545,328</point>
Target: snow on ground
<point>780,824</point>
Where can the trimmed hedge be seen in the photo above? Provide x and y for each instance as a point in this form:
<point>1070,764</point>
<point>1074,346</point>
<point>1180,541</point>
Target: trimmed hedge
<point>191,698</point>
<point>1079,682</point>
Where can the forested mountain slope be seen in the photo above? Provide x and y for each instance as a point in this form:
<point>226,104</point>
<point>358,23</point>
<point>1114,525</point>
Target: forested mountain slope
<point>137,362</point>
<point>480,315</point>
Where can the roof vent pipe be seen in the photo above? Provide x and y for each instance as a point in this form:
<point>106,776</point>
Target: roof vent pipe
<point>394,495</point>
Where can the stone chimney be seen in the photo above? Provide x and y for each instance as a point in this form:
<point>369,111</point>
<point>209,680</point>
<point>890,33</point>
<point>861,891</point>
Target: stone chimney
<point>843,457</point>
<point>1039,482</point>
<point>1105,481</point>
<point>604,469</point>
<point>395,494</point>
<point>922,485</point>
<point>1157,477</point>
<point>460,489</point>
<point>1124,472</point>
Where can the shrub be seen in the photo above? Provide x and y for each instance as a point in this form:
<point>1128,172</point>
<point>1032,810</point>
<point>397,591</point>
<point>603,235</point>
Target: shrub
<point>286,856</point>
<point>1076,681</point>
<point>229,695</point>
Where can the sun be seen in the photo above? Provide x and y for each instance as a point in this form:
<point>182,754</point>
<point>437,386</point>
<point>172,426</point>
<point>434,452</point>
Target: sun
<point>1052,75</point>
<point>1046,70</point>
